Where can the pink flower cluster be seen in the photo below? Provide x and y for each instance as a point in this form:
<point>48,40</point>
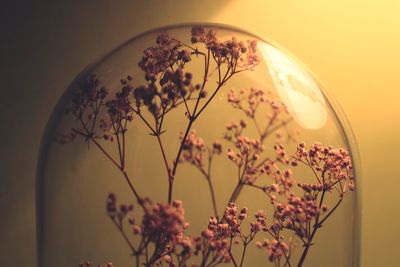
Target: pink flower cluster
<point>333,166</point>
<point>297,213</point>
<point>165,221</point>
<point>167,84</point>
<point>89,94</point>
<point>87,107</point>
<point>194,149</point>
<point>86,103</point>
<point>261,222</point>
<point>165,62</point>
<point>249,100</point>
<point>115,212</point>
<point>219,235</point>
<point>165,53</point>
<point>238,55</point>
<point>174,87</point>
<point>275,249</point>
<point>282,178</point>
<point>247,151</point>
<point>119,108</point>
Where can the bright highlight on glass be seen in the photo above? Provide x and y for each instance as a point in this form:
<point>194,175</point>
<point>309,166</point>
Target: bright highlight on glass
<point>297,89</point>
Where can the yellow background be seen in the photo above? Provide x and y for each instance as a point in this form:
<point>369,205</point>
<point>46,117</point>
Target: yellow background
<point>353,46</point>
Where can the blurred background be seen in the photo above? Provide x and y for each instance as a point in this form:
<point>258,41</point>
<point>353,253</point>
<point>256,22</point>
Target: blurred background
<point>352,46</point>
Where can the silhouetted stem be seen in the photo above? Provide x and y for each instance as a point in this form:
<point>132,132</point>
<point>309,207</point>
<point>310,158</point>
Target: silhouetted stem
<point>213,198</point>
<point>243,254</point>
<point>137,260</point>
<point>164,156</point>
<point>176,161</point>
<point>135,193</point>
<point>192,118</point>
<point>315,228</point>
<point>236,192</point>
<point>121,230</point>
<point>207,176</point>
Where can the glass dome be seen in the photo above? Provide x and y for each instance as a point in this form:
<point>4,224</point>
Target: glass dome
<point>197,145</point>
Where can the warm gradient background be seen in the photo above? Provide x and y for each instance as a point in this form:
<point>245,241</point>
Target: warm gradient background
<point>352,46</point>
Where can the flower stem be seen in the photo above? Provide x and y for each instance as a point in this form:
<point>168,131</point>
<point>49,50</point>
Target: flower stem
<point>243,254</point>
<point>108,155</point>
<point>213,198</point>
<point>121,230</point>
<point>176,161</point>
<point>316,227</point>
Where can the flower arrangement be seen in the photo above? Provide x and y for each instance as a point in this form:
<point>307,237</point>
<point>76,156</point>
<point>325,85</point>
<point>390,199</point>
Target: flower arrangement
<point>299,208</point>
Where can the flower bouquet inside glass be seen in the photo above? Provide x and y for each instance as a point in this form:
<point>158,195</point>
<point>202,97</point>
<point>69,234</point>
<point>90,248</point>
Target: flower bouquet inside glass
<point>255,147</point>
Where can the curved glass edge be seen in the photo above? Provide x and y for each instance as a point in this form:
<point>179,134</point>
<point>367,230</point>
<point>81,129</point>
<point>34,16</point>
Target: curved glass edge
<point>65,97</point>
<point>42,157</point>
<point>355,155</point>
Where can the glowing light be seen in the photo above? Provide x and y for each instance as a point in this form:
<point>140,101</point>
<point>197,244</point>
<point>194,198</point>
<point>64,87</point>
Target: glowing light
<point>297,89</point>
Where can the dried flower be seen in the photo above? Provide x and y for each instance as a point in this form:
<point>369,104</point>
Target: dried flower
<point>194,149</point>
<point>275,249</point>
<point>297,210</point>
<point>333,165</point>
<point>164,220</point>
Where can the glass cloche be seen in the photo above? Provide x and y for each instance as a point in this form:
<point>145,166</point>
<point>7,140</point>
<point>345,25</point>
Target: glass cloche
<point>197,145</point>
